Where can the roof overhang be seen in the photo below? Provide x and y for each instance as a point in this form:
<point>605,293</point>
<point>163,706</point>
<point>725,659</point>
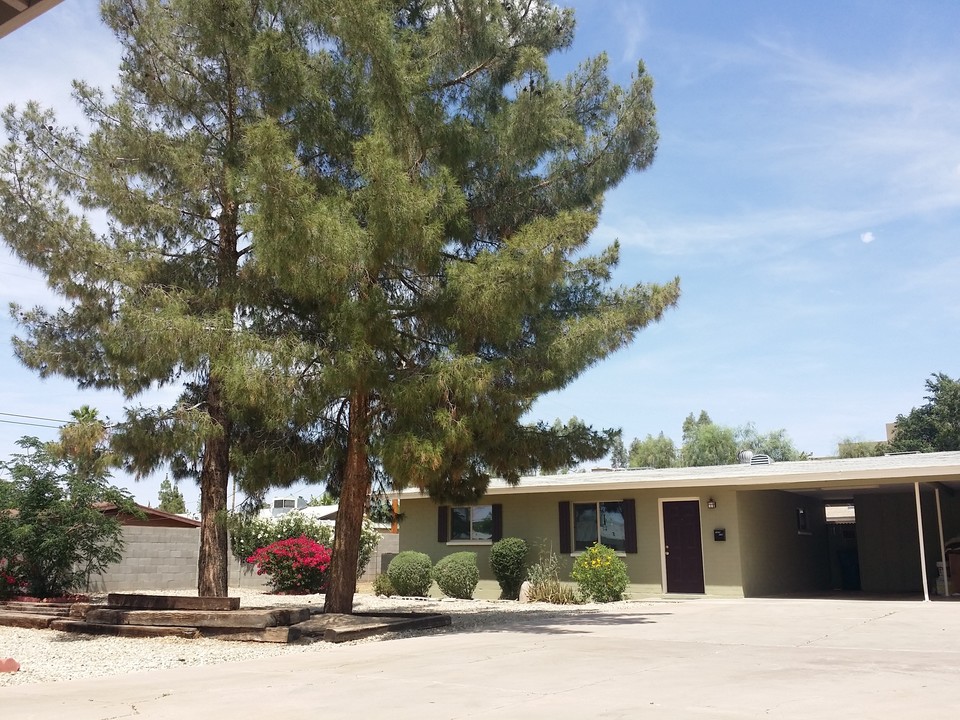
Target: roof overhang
<point>17,13</point>
<point>148,517</point>
<point>825,478</point>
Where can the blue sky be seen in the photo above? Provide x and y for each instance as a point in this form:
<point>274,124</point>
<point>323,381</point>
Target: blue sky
<point>806,191</point>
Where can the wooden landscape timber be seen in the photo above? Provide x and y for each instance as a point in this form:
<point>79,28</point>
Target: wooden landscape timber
<point>171,602</point>
<point>139,631</point>
<point>128,615</point>
<point>236,619</point>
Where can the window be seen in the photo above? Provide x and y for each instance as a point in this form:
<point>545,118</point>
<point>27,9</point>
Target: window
<point>613,524</point>
<point>289,503</point>
<point>803,525</point>
<point>469,523</point>
<point>598,522</point>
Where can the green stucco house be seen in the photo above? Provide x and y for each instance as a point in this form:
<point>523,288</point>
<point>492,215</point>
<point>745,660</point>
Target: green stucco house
<point>879,525</point>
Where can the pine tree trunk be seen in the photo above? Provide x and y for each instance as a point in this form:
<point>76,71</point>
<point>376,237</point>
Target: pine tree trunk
<point>214,476</point>
<point>353,502</point>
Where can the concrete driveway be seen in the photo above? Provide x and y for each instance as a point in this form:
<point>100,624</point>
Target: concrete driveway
<point>700,658</point>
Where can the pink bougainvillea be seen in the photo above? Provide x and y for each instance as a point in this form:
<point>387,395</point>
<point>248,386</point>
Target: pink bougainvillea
<point>294,565</point>
<point>9,583</point>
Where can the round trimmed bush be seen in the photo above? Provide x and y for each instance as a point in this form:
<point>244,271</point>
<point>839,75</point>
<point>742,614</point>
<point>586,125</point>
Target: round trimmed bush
<point>508,562</point>
<point>383,587</point>
<point>409,573</point>
<point>457,575</point>
<point>600,574</point>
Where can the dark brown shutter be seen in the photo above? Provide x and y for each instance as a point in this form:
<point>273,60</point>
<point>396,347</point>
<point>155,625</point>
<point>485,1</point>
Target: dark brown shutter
<point>630,525</point>
<point>564,528</point>
<point>443,520</point>
<point>497,522</point>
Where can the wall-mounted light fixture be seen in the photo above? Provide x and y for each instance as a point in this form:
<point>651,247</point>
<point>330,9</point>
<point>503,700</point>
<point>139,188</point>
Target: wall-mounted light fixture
<point>712,504</point>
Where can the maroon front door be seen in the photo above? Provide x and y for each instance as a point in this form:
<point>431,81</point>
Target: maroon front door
<point>682,546</point>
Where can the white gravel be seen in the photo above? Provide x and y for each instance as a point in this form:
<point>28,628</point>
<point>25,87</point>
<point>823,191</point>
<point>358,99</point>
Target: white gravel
<point>51,656</point>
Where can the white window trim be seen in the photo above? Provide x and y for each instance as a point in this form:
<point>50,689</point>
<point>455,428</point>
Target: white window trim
<point>470,542</point>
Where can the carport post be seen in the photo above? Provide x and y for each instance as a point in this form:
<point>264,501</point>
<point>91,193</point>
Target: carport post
<point>943,548</point>
<point>923,554</point>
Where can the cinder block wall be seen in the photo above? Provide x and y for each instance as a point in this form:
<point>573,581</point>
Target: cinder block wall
<point>166,558</point>
<point>389,546</point>
<point>160,558</point>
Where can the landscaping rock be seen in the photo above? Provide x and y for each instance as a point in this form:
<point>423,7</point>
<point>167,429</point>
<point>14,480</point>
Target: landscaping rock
<point>524,592</point>
<point>9,665</point>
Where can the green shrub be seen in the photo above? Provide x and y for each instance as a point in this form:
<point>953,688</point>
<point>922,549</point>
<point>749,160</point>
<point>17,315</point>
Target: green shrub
<point>58,538</point>
<point>545,584</point>
<point>600,575</point>
<point>383,587</point>
<point>508,562</point>
<point>410,573</point>
<point>457,575</point>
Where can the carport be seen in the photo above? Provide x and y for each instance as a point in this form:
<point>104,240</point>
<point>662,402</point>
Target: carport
<point>905,519</point>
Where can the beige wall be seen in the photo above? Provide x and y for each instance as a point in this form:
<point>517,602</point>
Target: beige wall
<point>534,517</point>
<point>774,556</point>
<point>887,543</point>
<point>950,510</point>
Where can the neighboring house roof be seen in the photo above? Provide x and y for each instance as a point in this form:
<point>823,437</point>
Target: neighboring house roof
<point>803,476</point>
<point>320,512</point>
<point>16,13</point>
<point>152,516</point>
<point>840,514</point>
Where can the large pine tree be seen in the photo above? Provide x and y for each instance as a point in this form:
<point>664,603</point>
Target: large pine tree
<point>138,224</point>
<point>357,229</point>
<point>437,262</point>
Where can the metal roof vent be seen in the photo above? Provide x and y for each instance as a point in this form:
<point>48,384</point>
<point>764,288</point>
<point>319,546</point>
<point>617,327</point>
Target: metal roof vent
<point>761,460</point>
<point>745,456</point>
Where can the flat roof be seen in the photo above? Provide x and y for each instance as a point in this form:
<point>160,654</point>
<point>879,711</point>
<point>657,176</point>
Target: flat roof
<point>829,474</point>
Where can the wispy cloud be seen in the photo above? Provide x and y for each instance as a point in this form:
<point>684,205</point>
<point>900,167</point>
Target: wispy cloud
<point>735,234</point>
<point>824,147</point>
<point>634,27</point>
<point>867,237</point>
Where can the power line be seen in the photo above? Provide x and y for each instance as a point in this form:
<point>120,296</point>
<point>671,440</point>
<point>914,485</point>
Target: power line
<point>34,417</point>
<point>17,422</point>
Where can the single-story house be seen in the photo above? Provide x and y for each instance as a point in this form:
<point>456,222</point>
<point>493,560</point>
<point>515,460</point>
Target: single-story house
<point>879,524</point>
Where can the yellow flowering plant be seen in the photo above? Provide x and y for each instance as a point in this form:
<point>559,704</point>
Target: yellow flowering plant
<point>600,575</point>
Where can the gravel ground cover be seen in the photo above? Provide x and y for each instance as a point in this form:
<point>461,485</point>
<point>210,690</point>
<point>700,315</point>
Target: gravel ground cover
<point>51,656</point>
